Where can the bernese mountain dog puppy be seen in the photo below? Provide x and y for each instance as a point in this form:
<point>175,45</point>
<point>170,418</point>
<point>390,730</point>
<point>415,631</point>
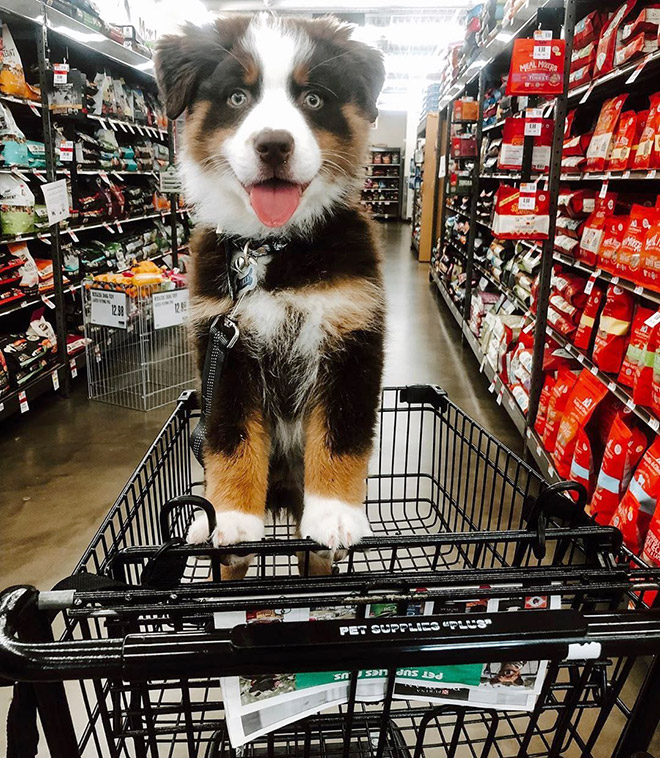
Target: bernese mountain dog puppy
<point>277,117</point>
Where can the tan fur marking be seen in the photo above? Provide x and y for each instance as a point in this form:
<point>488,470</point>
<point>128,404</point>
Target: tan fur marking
<point>240,481</point>
<point>300,74</point>
<point>332,476</point>
<point>199,143</point>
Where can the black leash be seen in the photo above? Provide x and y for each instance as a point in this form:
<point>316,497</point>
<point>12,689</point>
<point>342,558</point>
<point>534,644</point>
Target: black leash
<point>242,277</point>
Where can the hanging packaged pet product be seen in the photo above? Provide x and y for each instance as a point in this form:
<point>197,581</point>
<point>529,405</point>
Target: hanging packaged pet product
<point>521,213</point>
<point>537,66</point>
<point>16,206</point>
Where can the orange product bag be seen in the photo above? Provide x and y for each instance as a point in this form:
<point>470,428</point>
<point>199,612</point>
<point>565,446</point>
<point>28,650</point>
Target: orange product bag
<point>627,260</point>
<point>643,377</point>
<point>594,228</point>
<point>655,382</point>
<point>624,447</point>
<point>599,147</point>
<point>565,382</point>
<point>613,329</point>
<point>639,337</point>
<point>582,465</point>
<point>642,158</point>
<point>623,142</point>
<point>585,330</point>
<point>613,229</point>
<point>635,511</point>
<point>544,399</point>
<point>649,266</point>
<point>533,73</point>
<point>587,392</point>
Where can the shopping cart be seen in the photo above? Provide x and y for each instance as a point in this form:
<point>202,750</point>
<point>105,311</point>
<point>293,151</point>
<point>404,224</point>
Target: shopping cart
<point>459,521</point>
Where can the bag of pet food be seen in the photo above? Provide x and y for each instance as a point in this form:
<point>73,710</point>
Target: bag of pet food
<point>649,266</point>
<point>643,374</point>
<point>624,447</point>
<point>622,144</point>
<point>587,30</point>
<point>655,383</point>
<point>644,153</point>
<point>544,399</point>
<point>627,260</point>
<point>594,228</point>
<point>613,329</point>
<point>613,229</point>
<point>12,76</point>
<point>513,139</point>
<point>532,74</point>
<point>607,39</point>
<point>651,554</point>
<point>16,206</point>
<point>570,287</point>
<point>519,215</point>
<point>587,392</point>
<point>585,330</point>
<point>585,57</point>
<point>582,465</point>
<point>599,147</point>
<point>639,337</point>
<point>566,380</point>
<point>635,511</point>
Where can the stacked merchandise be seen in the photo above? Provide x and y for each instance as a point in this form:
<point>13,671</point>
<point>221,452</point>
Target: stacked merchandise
<point>26,355</point>
<point>381,193</point>
<point>430,99</point>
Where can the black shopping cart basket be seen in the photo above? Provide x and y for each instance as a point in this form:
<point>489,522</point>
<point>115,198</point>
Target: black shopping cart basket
<point>487,616</point>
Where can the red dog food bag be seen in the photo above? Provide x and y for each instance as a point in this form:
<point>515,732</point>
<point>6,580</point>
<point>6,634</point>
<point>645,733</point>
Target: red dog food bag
<point>594,229</point>
<point>613,329</point>
<point>624,447</point>
<point>587,30</point>
<point>639,337</point>
<point>544,399</point>
<point>585,331</point>
<point>643,154</point>
<point>628,258</point>
<point>607,39</point>
<point>513,139</point>
<point>613,229</point>
<point>520,215</point>
<point>655,381</point>
<point>534,74</point>
<point>649,267</point>
<point>622,144</point>
<point>565,382</point>
<point>642,393</point>
<point>587,392</point>
<point>582,465</point>
<point>635,511</point>
<point>599,147</point>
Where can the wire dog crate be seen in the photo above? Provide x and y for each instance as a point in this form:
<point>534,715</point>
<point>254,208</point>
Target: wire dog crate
<point>458,521</point>
<point>138,353</point>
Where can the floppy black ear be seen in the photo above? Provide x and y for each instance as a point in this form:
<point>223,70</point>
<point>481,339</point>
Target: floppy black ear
<point>183,60</point>
<point>368,68</point>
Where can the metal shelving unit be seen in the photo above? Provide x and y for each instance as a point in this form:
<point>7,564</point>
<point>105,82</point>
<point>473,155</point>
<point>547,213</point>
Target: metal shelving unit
<point>389,191</point>
<point>55,35</point>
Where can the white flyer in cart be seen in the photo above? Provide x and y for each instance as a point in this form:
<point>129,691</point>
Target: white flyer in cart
<point>511,685</point>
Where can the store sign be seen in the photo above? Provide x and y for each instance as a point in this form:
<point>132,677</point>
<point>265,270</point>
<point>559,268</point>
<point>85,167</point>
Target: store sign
<point>108,308</point>
<point>170,182</point>
<point>56,198</point>
<point>170,308</point>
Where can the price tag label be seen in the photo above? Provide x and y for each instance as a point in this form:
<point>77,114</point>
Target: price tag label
<point>532,129</point>
<point>653,320</point>
<point>170,181</point>
<point>130,128</point>
<point>44,239</point>
<point>652,174</point>
<point>638,289</point>
<point>594,370</point>
<point>104,176</point>
<point>528,188</point>
<point>40,176</point>
<point>638,70</point>
<point>498,400</point>
<point>57,201</point>
<point>48,302</point>
<point>534,113</point>
<point>108,308</point>
<point>60,72</point>
<point>139,128</point>
<point>603,189</point>
<point>122,126</point>
<point>527,202</point>
<point>34,109</point>
<point>113,125</point>
<point>73,368</point>
<point>73,235</point>
<point>654,424</point>
<point>543,35</point>
<point>66,151</point>
<point>611,386</point>
<point>539,450</point>
<point>630,404</point>
<point>614,280</point>
<point>586,95</point>
<point>23,402</point>
<point>107,226</point>
<point>103,123</point>
<point>626,174</point>
<point>542,52</point>
<point>580,358</point>
<point>170,308</point>
<point>590,284</point>
<point>491,388</point>
<point>119,226</point>
<point>56,380</point>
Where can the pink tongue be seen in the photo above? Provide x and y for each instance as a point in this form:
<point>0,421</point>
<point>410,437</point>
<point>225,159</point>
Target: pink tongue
<point>274,204</point>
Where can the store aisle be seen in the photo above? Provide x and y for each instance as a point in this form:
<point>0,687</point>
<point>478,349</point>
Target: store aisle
<point>64,463</point>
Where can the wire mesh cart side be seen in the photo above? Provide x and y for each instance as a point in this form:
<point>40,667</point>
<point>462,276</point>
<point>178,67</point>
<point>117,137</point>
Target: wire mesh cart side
<point>138,354</point>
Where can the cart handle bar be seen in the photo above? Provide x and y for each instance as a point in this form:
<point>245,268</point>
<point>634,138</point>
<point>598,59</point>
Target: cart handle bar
<point>368,643</point>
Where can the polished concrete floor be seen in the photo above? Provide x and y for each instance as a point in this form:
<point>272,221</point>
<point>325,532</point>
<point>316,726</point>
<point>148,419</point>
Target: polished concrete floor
<point>65,461</point>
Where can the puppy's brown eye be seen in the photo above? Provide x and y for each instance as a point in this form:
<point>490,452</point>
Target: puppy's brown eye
<point>237,99</point>
<point>313,101</point>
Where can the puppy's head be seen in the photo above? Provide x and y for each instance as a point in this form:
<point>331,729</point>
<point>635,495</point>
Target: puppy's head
<point>277,116</point>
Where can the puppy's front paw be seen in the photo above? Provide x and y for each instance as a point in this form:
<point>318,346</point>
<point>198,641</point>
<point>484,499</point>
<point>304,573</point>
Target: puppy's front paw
<point>333,522</point>
<point>232,527</point>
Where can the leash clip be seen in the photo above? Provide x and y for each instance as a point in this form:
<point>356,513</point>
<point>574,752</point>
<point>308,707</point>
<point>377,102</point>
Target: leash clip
<point>227,324</point>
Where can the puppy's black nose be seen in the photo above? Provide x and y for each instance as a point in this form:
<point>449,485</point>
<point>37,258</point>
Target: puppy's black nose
<point>274,146</point>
